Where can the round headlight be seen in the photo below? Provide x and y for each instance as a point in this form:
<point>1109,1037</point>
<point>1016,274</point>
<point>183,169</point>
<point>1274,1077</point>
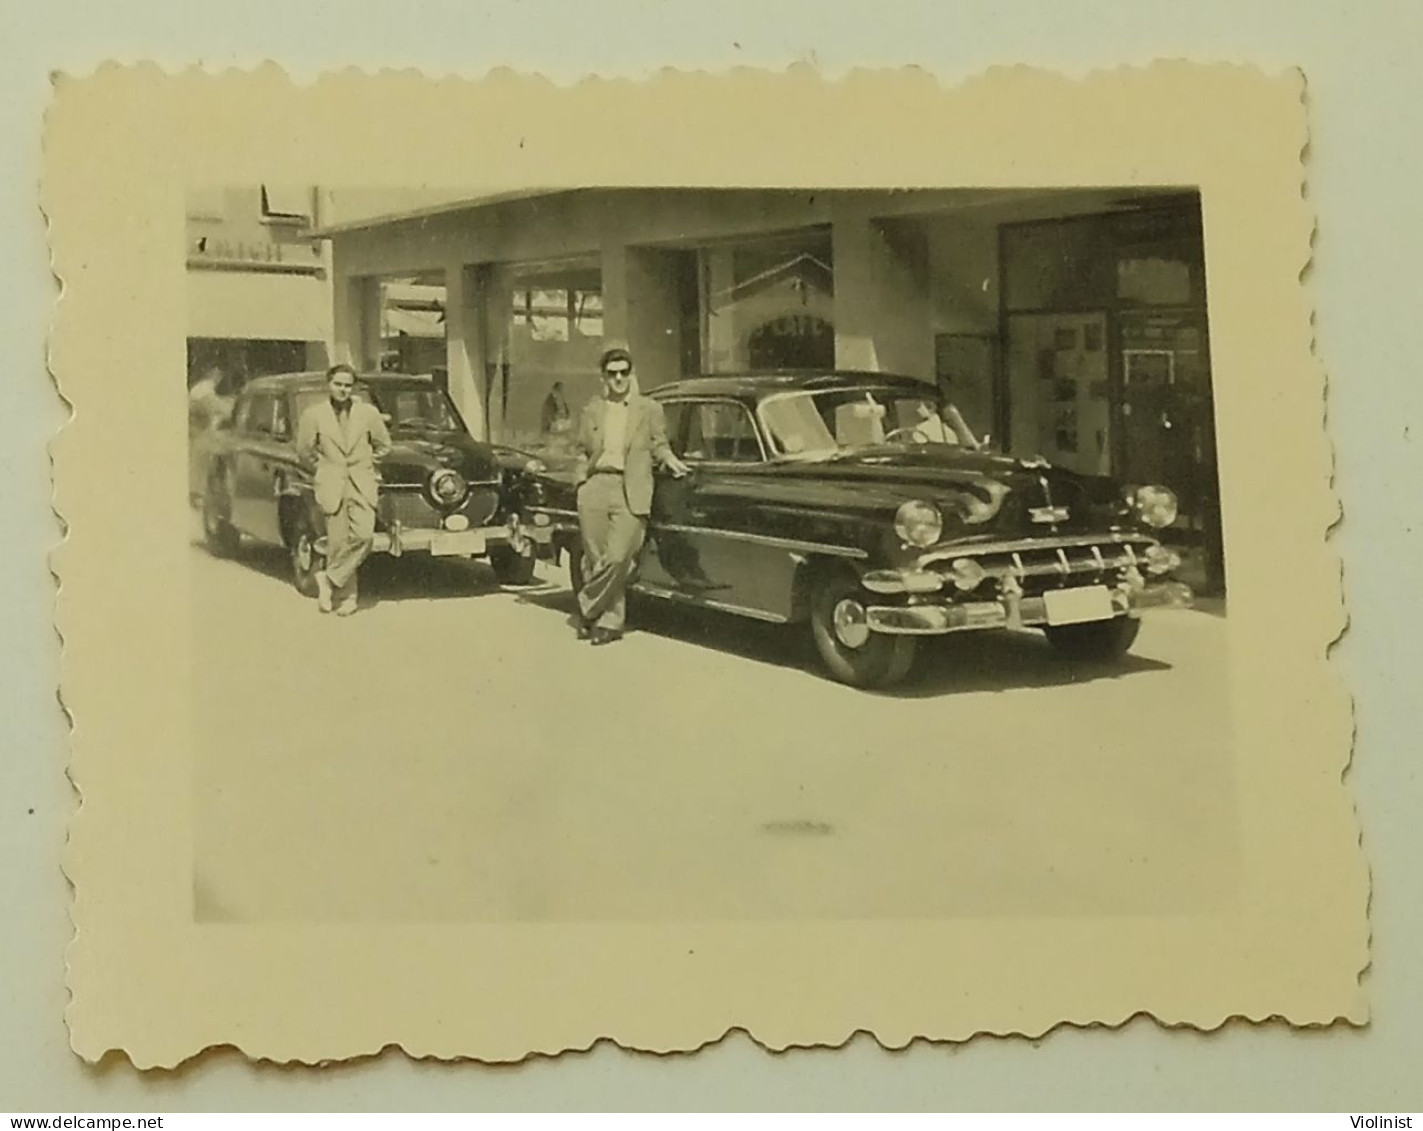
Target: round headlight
<point>967,573</point>
<point>1155,506</point>
<point>447,486</point>
<point>918,523</point>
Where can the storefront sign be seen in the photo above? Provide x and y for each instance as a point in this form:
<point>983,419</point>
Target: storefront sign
<point>218,254</point>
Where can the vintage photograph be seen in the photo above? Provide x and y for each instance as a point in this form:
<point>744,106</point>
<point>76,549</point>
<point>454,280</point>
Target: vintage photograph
<point>931,468</point>
<point>621,577</point>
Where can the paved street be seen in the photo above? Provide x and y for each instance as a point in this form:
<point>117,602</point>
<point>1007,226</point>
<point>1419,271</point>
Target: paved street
<point>452,753</point>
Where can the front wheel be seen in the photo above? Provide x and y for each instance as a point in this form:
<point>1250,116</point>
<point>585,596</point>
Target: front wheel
<point>850,651</point>
<point>1095,640</point>
<point>306,560</point>
<point>512,567</point>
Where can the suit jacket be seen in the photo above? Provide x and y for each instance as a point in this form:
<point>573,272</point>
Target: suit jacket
<point>345,457</point>
<point>645,438</point>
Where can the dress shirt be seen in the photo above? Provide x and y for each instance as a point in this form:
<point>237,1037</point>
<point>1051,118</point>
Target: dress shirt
<point>615,425</point>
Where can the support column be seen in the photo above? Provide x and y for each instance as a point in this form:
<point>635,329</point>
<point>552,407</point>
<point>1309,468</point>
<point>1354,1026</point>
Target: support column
<point>464,347</point>
<point>654,315</point>
<point>495,296</point>
<point>883,304</point>
<point>641,308</point>
<point>355,323</point>
<point>721,355</point>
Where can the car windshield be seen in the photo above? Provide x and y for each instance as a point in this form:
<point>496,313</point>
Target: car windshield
<point>417,408</point>
<point>818,424</point>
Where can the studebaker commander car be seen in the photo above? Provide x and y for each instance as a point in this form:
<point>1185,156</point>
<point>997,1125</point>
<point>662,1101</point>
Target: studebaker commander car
<point>837,501</point>
<point>441,492</point>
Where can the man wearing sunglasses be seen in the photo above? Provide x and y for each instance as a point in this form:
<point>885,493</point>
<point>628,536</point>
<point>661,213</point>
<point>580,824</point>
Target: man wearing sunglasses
<point>619,435</point>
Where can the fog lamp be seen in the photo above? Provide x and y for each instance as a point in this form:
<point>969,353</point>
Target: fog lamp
<point>456,522</point>
<point>918,523</point>
<point>968,574</point>
<point>541,519</point>
<point>1155,506</point>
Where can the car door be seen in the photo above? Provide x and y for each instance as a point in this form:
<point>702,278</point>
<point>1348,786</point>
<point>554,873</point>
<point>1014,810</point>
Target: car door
<point>705,538</point>
<point>256,462</point>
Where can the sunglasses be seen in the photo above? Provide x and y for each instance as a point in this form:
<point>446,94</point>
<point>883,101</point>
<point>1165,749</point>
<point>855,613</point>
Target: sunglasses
<point>618,371</point>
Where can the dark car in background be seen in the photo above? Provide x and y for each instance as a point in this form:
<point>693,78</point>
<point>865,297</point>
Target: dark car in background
<point>442,493</point>
<point>828,501</point>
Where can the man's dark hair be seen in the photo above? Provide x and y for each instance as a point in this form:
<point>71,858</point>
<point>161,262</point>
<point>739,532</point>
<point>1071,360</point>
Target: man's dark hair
<point>341,367</point>
<point>616,353</point>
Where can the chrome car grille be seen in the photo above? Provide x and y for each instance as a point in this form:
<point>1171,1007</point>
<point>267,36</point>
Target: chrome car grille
<point>412,510</point>
<point>1043,563</point>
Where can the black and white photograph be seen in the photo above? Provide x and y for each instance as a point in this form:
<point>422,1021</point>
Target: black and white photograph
<point>936,465</point>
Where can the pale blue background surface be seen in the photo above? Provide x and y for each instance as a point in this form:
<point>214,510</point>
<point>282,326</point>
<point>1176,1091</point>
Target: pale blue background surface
<point>1363,62</point>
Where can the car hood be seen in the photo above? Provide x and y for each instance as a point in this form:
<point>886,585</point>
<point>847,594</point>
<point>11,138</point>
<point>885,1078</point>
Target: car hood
<point>1034,493</point>
<point>414,455</point>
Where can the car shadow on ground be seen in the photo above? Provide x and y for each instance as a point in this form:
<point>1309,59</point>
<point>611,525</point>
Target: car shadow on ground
<point>413,577</point>
<point>962,663</point>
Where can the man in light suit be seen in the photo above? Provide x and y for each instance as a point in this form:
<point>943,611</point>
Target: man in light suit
<point>619,435</point>
<point>344,439</point>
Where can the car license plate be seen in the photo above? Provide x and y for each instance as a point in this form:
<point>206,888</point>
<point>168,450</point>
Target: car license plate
<point>1078,606</point>
<point>457,543</point>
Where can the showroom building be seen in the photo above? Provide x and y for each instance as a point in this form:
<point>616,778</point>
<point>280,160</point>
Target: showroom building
<point>1070,324</point>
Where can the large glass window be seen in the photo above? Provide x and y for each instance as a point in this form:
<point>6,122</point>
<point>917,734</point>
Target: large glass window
<point>412,324</point>
<point>1059,265</point>
<point>770,303</point>
<point>543,364</point>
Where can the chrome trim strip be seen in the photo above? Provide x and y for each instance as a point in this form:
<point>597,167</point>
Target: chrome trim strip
<point>553,510</point>
<point>764,540</point>
<point>722,606</point>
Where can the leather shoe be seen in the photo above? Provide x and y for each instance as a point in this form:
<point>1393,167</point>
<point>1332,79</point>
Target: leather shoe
<point>585,630</point>
<point>606,635</point>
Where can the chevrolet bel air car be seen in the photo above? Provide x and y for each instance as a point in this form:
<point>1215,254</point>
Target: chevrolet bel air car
<point>834,502</point>
<point>441,492</point>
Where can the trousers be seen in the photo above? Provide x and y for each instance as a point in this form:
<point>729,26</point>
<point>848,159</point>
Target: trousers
<point>612,537</point>
<point>349,534</point>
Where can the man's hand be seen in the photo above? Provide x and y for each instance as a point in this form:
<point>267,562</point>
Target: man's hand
<point>678,469</point>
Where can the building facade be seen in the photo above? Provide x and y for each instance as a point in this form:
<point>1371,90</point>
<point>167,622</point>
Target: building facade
<point>1065,323</point>
<point>259,298</point>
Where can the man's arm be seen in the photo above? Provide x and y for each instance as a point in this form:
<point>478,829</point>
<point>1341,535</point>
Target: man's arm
<point>583,444</point>
<point>660,447</point>
<point>380,435</point>
<point>306,437</point>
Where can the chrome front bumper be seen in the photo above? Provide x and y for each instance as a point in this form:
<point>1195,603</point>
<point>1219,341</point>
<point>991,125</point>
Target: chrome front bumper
<point>1012,610</point>
<point>472,543</point>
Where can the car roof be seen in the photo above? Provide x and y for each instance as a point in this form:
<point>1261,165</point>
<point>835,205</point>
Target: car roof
<point>755,385</point>
<point>316,379</point>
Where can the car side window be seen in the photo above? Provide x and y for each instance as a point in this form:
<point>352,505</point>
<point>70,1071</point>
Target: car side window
<point>721,431</point>
<point>282,421</point>
<point>675,413</point>
<point>242,415</point>
<point>260,415</point>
